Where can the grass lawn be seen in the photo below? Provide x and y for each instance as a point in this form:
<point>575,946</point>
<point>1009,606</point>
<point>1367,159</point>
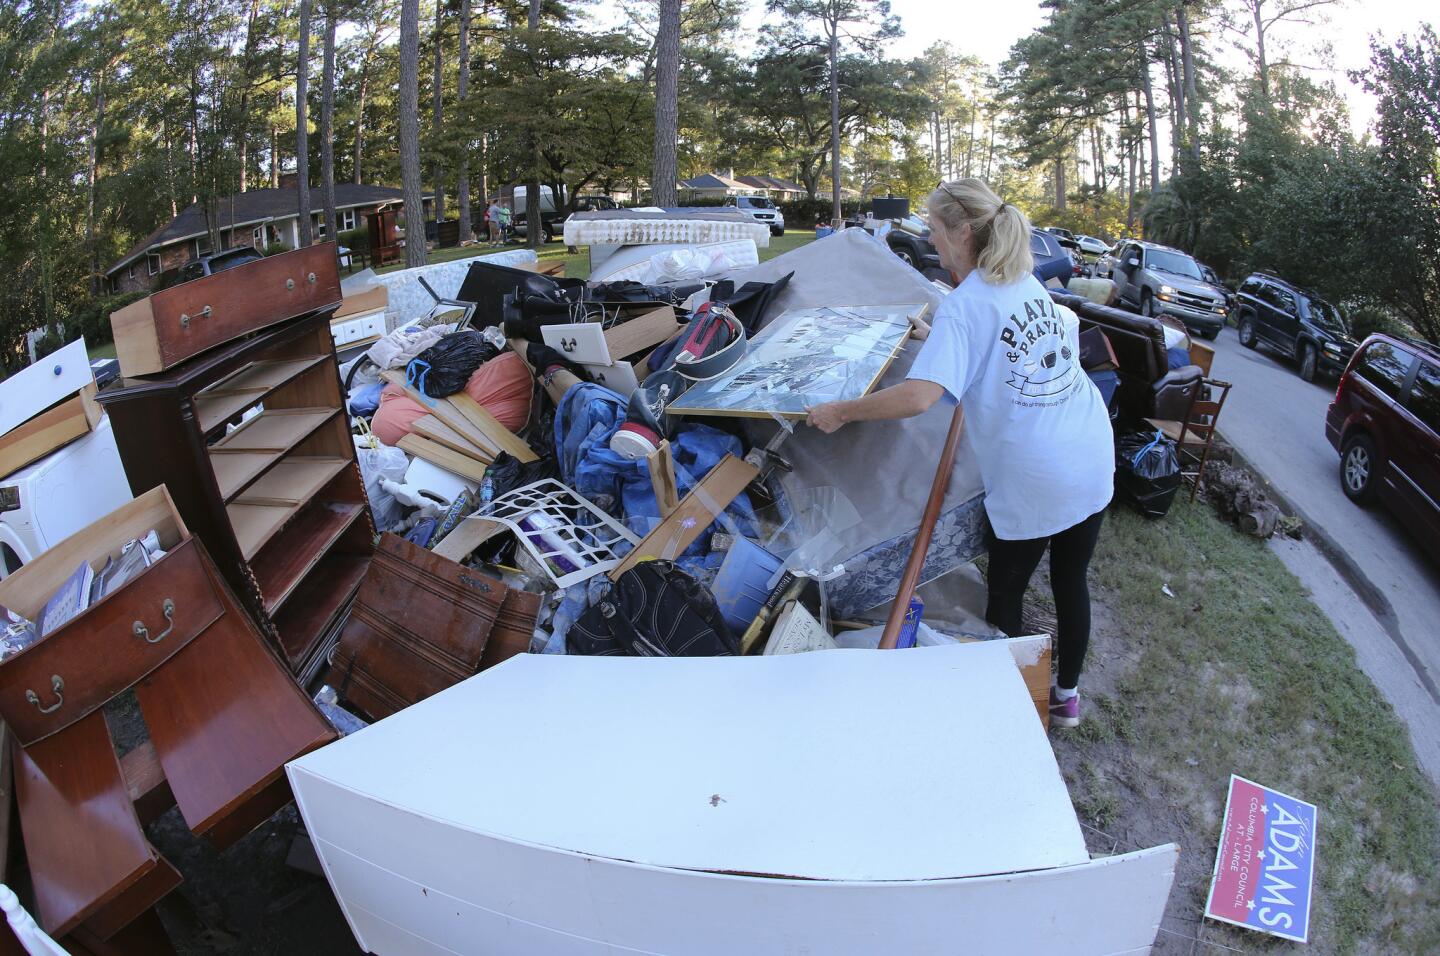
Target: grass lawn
<point>577,265</point>
<point>103,351</point>
<point>1240,672</point>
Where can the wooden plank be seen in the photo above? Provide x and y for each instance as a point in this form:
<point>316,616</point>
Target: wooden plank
<point>1202,355</point>
<point>500,436</point>
<point>695,513</point>
<point>447,458</point>
<point>445,411</point>
<point>432,428</point>
<point>642,333</point>
<point>466,536</point>
<point>662,479</point>
<point>1032,657</point>
<point>145,782</point>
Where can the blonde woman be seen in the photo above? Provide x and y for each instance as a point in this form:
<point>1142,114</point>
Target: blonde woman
<point>1033,420</point>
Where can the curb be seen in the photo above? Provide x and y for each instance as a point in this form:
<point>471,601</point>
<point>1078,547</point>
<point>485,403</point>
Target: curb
<point>1370,595</point>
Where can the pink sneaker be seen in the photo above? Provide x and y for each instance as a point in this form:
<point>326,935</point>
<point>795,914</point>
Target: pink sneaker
<point>1064,713</point>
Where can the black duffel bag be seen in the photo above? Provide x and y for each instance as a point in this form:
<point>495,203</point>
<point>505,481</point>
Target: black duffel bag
<point>445,367</point>
<point>1147,472</point>
<point>654,610</point>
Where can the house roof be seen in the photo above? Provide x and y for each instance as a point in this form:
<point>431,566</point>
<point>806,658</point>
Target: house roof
<point>713,181</point>
<point>254,206</point>
<point>771,182</point>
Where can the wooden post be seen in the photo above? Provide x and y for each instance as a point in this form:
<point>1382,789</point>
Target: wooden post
<point>662,479</point>
<point>911,578</point>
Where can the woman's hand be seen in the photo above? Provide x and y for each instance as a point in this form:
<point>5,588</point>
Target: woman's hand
<point>827,416</point>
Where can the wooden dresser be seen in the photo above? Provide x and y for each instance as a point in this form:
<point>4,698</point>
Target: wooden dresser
<point>222,717</point>
<point>278,500</point>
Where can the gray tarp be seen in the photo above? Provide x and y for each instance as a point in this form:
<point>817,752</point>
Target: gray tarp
<point>884,468</point>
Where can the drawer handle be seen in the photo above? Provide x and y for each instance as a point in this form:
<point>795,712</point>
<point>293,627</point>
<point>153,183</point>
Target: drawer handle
<point>167,607</point>
<point>202,314</point>
<point>57,685</point>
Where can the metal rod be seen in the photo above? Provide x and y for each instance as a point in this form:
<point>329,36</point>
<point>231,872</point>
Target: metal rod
<point>911,578</point>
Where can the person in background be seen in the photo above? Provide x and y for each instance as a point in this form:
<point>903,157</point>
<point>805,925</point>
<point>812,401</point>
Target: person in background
<point>492,219</point>
<point>1033,420</point>
<point>505,220</point>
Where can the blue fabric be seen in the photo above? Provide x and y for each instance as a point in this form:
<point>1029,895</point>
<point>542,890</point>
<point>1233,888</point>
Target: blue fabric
<point>1107,382</point>
<point>589,414</point>
<point>1177,358</point>
<point>365,399</point>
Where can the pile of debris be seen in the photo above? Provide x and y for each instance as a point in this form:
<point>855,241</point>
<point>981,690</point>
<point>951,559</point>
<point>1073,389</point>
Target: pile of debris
<point>1238,498</point>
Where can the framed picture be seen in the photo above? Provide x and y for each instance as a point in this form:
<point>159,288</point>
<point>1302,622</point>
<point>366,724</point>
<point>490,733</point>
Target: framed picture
<point>803,358</point>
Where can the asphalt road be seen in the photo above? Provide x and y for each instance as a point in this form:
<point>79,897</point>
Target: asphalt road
<point>1277,422</point>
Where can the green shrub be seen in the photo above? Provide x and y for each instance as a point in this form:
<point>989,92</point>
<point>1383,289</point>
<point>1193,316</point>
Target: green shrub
<point>91,317</point>
<point>47,343</point>
<point>275,248</point>
<point>1368,317</point>
<point>805,213</point>
<point>356,240</point>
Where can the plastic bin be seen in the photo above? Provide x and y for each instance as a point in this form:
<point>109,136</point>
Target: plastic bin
<point>741,585</point>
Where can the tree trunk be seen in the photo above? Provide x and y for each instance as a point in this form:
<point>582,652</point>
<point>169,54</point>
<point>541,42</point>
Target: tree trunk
<point>834,121</point>
<point>1060,183</point>
<point>409,121</point>
<point>1187,63</point>
<point>1150,120</point>
<point>95,127</point>
<point>534,227</point>
<point>1256,7</point>
<point>302,132</point>
<point>360,114</point>
<point>667,103</point>
<point>462,94</point>
<point>275,148</point>
<point>243,116</point>
<point>327,126</point>
<point>437,123</point>
<point>970,140</point>
<point>990,149</point>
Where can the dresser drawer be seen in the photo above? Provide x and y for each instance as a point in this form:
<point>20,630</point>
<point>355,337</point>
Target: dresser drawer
<point>109,647</point>
<point>170,326</point>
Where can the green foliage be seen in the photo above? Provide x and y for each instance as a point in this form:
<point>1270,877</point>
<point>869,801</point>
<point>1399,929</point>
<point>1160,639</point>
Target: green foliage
<point>91,317</point>
<point>356,240</point>
<point>275,248</point>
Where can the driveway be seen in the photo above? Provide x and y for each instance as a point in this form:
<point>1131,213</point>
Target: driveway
<point>1277,422</point>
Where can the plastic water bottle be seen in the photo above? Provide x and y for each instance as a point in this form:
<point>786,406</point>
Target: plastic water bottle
<point>487,493</point>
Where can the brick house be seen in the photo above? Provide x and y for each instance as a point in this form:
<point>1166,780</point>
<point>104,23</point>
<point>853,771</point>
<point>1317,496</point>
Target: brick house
<point>255,218</point>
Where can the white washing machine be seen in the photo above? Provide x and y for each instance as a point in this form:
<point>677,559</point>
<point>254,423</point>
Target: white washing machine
<point>45,502</point>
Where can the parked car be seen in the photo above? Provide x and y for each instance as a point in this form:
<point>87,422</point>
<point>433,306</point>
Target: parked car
<point>909,238</point>
<point>1158,280</point>
<point>209,265</point>
<point>1385,423</point>
<point>1052,259</point>
<point>1092,246</point>
<point>1213,280</point>
<point>552,217</point>
<point>762,209</point>
<point>1062,233</point>
<point>1300,324</point>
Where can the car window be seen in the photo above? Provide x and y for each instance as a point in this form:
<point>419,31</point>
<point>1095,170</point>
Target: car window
<point>1250,287</point>
<point>1326,316</point>
<point>1037,245</point>
<point>1177,263</point>
<point>1424,401</point>
<point>1385,367</point>
<point>755,202</point>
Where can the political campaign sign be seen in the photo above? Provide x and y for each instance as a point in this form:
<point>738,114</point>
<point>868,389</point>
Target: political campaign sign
<point>1265,867</point>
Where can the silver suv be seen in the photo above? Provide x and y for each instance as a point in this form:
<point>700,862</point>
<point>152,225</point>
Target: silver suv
<point>1158,280</point>
<point>762,210</point>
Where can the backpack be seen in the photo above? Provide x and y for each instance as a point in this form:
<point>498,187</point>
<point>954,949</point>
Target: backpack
<point>654,610</point>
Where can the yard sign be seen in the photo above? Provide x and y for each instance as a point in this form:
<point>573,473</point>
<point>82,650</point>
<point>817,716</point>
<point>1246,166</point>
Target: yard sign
<point>1265,867</point>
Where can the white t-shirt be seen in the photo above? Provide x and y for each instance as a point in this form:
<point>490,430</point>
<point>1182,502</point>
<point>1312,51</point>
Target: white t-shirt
<point>1035,422</point>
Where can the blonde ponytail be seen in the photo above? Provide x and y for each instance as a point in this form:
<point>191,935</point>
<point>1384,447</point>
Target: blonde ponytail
<point>1000,233</point>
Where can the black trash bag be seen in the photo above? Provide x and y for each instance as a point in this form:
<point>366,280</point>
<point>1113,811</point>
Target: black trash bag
<point>1147,472</point>
<point>445,367</point>
<point>509,473</point>
<point>654,610</point>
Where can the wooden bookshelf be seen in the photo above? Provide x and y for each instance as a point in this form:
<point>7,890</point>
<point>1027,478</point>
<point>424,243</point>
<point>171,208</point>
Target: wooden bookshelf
<point>278,500</point>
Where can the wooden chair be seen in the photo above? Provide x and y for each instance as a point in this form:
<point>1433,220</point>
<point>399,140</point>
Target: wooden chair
<point>1194,435</point>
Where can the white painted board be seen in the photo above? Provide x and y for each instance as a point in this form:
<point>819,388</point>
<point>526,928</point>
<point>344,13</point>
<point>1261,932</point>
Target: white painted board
<point>620,378</point>
<point>806,765</point>
<point>36,387</point>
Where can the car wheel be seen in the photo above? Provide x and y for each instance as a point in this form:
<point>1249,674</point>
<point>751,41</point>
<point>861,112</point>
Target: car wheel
<point>1212,334</point>
<point>777,232</point>
<point>546,235</point>
<point>1246,331</point>
<point>1358,464</point>
<point>1147,305</point>
<point>1308,362</point>
<point>905,256</point>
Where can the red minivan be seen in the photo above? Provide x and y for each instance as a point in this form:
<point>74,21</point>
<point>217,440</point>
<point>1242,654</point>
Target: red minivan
<point>1385,422</point>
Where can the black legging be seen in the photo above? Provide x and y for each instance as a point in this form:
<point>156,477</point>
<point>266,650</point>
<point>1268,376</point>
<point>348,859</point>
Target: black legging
<point>1012,563</point>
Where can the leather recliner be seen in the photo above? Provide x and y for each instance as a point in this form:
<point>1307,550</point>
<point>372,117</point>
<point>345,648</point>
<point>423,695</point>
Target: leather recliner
<point>1148,388</point>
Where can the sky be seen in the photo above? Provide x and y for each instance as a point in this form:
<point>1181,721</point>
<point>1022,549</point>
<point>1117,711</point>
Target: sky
<point>988,30</point>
